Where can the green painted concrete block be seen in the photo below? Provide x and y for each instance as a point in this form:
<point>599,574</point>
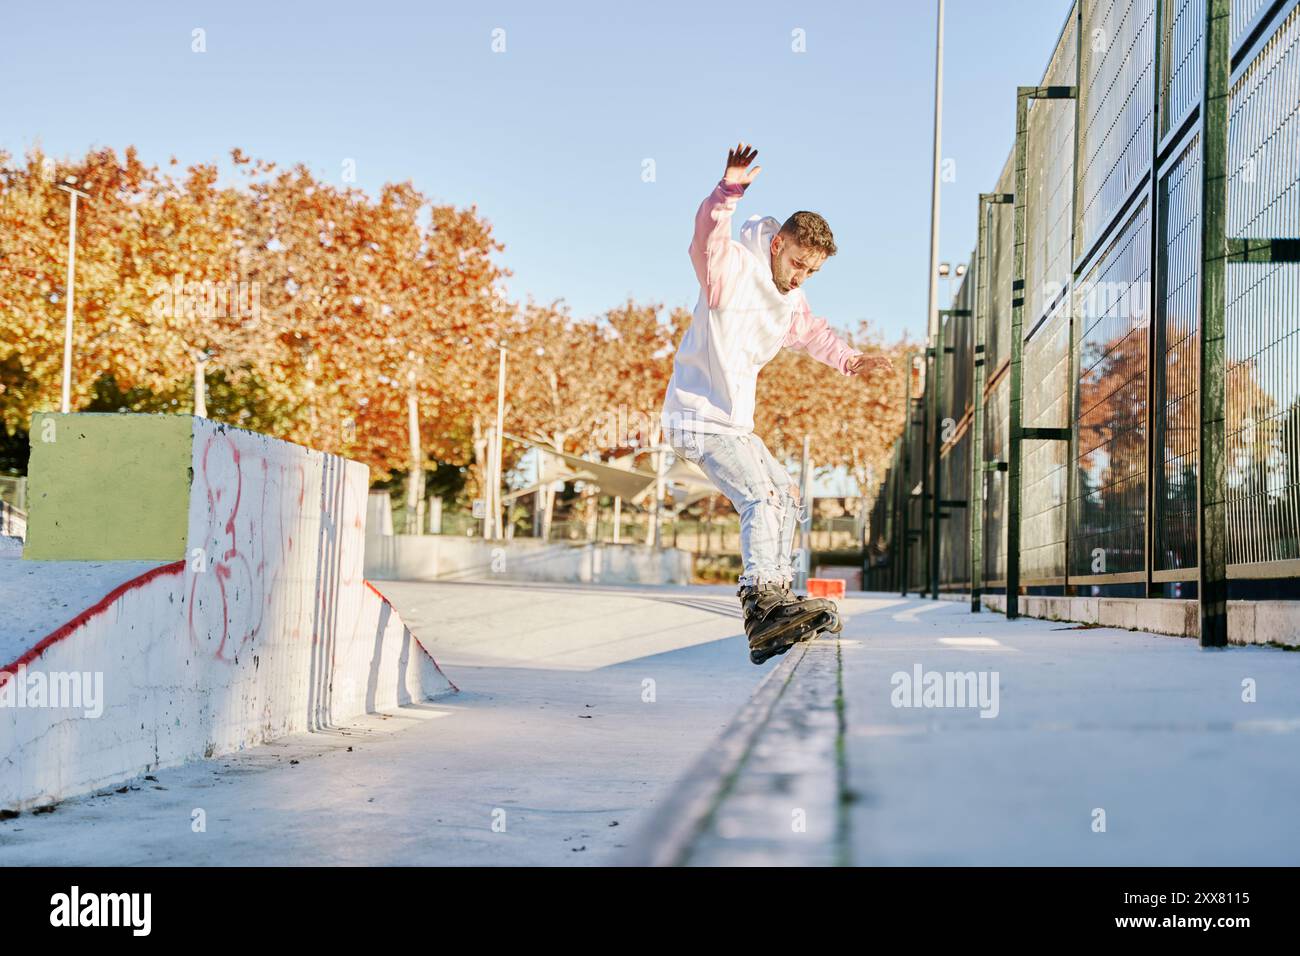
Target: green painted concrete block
<point>109,487</point>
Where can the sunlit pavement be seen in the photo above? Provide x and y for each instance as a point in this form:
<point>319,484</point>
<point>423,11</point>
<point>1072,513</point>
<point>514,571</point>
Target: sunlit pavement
<point>584,709</point>
<point>579,707</point>
<point>1101,746</point>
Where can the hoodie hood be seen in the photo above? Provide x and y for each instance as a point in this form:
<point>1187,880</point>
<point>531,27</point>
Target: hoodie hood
<point>756,235</point>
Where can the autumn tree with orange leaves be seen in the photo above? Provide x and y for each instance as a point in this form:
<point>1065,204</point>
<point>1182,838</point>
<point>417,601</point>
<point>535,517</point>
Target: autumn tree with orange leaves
<point>363,326</point>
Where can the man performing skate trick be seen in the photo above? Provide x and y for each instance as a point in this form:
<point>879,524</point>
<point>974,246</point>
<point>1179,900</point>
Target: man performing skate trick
<point>750,306</point>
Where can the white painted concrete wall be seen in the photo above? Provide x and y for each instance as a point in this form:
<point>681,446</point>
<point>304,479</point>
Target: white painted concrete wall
<point>267,628</point>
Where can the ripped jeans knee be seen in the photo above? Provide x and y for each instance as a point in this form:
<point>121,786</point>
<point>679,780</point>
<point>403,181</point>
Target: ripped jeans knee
<point>798,507</point>
<point>766,498</point>
<point>767,535</point>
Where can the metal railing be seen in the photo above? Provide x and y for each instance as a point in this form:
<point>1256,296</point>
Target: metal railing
<point>1112,404</point>
<point>13,506</point>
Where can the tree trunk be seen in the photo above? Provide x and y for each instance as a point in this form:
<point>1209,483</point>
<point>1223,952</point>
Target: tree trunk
<point>414,480</point>
<point>548,511</point>
<point>491,489</point>
<point>591,511</point>
<point>548,518</point>
<point>654,534</point>
<point>200,386</point>
<point>480,460</point>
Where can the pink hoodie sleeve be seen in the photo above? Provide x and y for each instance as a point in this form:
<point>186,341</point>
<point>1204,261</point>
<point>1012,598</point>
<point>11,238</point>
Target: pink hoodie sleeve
<point>712,248</point>
<point>812,334</point>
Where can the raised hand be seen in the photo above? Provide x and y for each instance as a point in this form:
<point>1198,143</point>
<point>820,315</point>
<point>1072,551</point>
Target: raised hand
<point>738,161</point>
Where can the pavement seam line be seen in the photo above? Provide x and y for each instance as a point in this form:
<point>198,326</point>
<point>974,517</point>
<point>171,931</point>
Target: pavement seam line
<point>843,839</point>
<point>672,829</point>
<point>729,781</point>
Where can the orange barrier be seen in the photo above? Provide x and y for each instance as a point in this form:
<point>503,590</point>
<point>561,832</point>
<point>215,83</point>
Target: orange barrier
<point>826,587</point>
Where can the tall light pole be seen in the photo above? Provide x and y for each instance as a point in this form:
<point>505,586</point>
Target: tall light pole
<point>69,187</point>
<point>930,398</point>
<point>932,314</point>
<point>498,530</point>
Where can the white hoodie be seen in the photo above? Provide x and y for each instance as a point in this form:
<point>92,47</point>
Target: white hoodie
<point>740,322</point>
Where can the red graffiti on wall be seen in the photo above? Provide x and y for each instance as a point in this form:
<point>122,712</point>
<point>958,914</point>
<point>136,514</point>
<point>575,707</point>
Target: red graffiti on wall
<point>245,542</point>
<point>262,564</point>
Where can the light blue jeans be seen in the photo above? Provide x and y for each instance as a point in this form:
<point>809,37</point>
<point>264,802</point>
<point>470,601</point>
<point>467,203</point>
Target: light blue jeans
<point>760,489</point>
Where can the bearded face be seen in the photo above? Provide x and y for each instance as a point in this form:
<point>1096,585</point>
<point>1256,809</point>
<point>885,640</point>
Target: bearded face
<point>793,264</point>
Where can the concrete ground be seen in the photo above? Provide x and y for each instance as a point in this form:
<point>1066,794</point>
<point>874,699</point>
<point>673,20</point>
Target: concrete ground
<point>1107,747</point>
<point>585,710</point>
<point>579,706</point>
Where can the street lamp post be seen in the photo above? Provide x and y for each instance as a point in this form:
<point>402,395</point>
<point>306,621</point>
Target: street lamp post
<point>947,272</point>
<point>69,187</point>
<point>494,502</point>
<point>932,309</point>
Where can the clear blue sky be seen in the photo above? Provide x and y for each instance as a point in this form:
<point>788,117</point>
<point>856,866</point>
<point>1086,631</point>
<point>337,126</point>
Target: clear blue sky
<point>549,137</point>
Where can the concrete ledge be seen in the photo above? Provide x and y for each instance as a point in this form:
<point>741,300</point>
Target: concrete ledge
<point>1249,622</point>
<point>450,558</point>
<point>1265,622</point>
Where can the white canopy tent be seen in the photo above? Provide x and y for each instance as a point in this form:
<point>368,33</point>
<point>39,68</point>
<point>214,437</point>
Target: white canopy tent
<point>619,478</point>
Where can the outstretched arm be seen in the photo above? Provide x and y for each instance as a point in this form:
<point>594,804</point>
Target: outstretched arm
<point>712,250</point>
<point>813,334</point>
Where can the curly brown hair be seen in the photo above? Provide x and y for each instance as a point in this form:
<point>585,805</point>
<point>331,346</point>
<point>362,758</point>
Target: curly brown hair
<point>810,230</point>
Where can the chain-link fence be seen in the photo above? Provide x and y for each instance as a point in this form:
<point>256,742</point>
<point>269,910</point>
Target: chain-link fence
<point>1114,395</point>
